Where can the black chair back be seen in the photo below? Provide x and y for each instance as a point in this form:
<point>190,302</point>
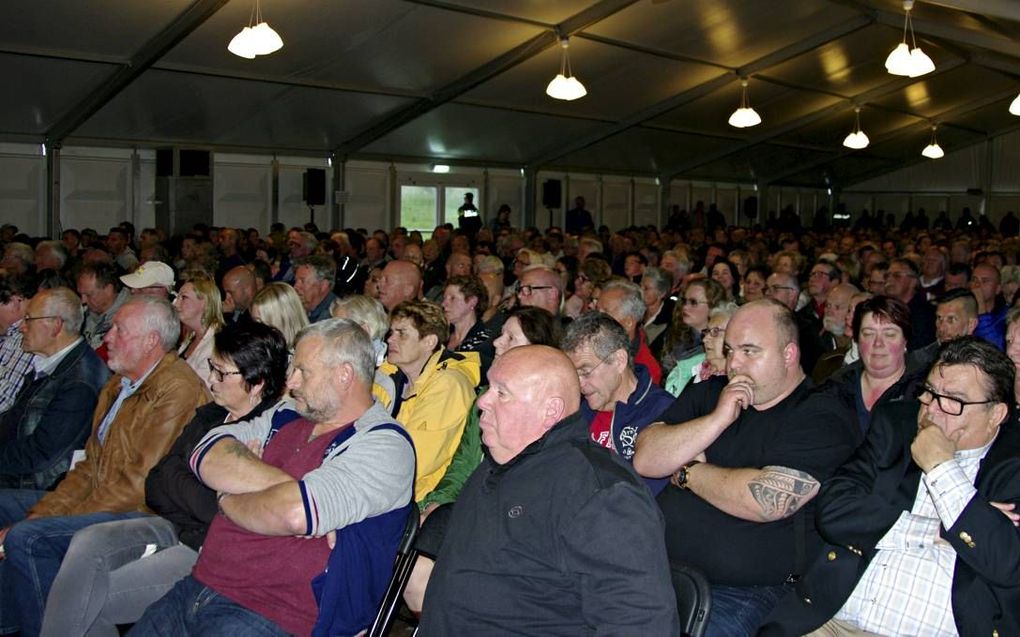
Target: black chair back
<point>406,555</point>
<point>693,599</point>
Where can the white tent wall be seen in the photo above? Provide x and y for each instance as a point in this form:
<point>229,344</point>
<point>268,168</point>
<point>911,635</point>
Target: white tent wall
<point>22,187</point>
<point>990,171</point>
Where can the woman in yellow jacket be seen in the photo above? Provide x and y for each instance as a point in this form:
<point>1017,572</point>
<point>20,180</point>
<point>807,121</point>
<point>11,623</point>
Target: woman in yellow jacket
<point>433,388</point>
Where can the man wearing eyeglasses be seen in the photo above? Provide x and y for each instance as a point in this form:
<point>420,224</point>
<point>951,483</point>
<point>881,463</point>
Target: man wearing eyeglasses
<point>139,413</point>
<point>785,289</point>
<point>921,522</point>
<point>51,416</point>
<point>620,398</point>
<point>541,286</point>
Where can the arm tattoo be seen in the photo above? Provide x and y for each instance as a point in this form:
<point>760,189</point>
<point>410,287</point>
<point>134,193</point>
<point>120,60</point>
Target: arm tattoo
<point>780,491</point>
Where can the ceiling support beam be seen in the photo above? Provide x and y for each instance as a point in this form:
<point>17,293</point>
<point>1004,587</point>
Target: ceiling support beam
<point>192,17</point>
<point>876,93</point>
<point>963,109</point>
<point>517,55</point>
<point>1008,9</point>
<point>663,107</point>
<point>951,33</point>
<point>920,160</point>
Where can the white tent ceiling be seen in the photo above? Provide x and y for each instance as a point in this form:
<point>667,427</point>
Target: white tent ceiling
<point>463,81</point>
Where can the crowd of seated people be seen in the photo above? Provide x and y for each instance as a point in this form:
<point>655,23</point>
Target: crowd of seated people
<point>822,421</point>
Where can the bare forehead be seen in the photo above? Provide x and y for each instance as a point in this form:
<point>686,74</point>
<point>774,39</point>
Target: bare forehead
<point>963,379</point>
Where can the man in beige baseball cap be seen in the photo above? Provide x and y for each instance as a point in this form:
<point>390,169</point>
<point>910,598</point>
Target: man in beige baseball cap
<point>152,278</point>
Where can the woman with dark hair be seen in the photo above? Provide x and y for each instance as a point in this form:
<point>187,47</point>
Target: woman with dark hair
<point>103,580</point>
<point>690,316</point>
<point>465,299</point>
<point>727,275</point>
<point>754,283</point>
<point>590,273</point>
<point>881,330</point>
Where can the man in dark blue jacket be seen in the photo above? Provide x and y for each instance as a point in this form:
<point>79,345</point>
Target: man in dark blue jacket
<point>921,521</point>
<point>620,398</point>
<point>52,415</point>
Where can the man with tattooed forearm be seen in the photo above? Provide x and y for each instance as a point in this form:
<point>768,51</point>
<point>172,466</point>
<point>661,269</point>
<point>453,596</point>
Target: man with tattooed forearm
<point>747,454</point>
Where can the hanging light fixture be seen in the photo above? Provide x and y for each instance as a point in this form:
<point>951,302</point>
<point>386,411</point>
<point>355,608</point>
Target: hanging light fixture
<point>565,86</point>
<point>259,39</point>
<point>933,150</point>
<point>857,139</point>
<point>1014,108</point>
<point>745,116</point>
<point>904,60</point>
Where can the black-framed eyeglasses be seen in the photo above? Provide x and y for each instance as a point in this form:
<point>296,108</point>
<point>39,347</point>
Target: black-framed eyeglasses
<point>948,404</point>
<point>29,317</point>
<point>218,374</point>
<point>714,332</point>
<point>527,290</point>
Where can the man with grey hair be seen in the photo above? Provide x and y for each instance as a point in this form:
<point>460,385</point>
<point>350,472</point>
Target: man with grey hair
<point>18,258</point>
<point>51,416</point>
<point>622,300</point>
<point>314,277</point>
<point>50,255</point>
<point>301,244</point>
<point>333,469</point>
<point>140,411</point>
<point>620,398</point>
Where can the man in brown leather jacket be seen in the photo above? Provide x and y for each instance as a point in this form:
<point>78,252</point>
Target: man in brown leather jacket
<point>141,410</point>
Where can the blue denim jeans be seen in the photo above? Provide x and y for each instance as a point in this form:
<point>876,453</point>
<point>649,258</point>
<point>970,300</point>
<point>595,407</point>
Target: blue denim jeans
<point>191,608</point>
<point>739,610</point>
<point>33,551</point>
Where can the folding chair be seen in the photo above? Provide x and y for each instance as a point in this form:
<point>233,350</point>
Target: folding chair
<point>693,599</point>
<point>406,556</point>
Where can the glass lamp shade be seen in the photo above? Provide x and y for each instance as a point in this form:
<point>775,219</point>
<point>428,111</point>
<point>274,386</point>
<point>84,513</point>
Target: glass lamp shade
<point>260,39</point>
<point>744,117</point>
<point>565,88</point>
<point>1014,108</point>
<point>240,45</point>
<point>920,63</point>
<point>933,151</point>
<point>264,40</point>
<point>856,140</point>
<point>898,62</point>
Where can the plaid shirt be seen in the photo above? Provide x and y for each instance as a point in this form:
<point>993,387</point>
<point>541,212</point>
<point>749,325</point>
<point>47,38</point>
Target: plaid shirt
<point>907,587</point>
<point>14,364</point>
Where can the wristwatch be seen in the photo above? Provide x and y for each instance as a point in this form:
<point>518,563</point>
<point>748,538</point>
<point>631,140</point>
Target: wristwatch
<point>681,476</point>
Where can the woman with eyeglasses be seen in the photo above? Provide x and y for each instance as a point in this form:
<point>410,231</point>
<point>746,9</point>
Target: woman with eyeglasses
<point>590,273</point>
<point>881,329</point>
<point>113,571</point>
<point>683,341</point>
<point>714,361</point>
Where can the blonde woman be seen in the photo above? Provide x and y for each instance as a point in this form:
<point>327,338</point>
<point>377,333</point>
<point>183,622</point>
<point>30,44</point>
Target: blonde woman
<point>201,315</point>
<point>277,304</point>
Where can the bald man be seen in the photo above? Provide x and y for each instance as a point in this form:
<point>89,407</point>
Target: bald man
<point>239,290</point>
<point>401,281</point>
<point>559,532</point>
<point>541,286</point>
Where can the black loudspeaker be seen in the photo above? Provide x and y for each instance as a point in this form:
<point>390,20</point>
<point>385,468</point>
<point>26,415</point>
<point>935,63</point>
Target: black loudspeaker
<point>164,162</point>
<point>314,187</point>
<point>552,193</point>
<point>194,163</point>
<point>751,207</point>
